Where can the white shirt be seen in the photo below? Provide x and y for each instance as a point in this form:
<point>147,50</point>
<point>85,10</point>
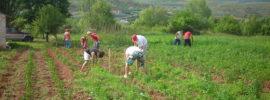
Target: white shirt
<point>130,50</point>
<point>141,41</point>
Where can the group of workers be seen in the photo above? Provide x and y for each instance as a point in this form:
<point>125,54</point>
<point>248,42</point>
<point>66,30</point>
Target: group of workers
<point>132,53</point>
<point>187,37</point>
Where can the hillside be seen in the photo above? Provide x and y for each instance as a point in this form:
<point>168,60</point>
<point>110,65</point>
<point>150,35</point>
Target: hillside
<point>245,0</point>
<point>239,8</point>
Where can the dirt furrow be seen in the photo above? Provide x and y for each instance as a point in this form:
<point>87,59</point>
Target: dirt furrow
<point>69,56</point>
<point>12,81</point>
<point>66,74</point>
<point>44,87</point>
<point>63,69</point>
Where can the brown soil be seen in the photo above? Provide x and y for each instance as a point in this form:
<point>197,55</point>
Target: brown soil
<point>69,56</point>
<point>155,95</point>
<point>12,81</point>
<point>64,72</point>
<point>44,87</point>
<point>217,78</point>
<point>266,86</point>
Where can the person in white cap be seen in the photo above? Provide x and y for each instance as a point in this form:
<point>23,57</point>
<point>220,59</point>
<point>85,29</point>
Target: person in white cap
<point>95,38</point>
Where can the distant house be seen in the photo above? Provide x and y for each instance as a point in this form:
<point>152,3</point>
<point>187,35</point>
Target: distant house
<point>2,30</point>
<point>116,12</point>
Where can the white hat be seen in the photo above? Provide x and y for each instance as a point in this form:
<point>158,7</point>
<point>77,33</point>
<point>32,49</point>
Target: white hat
<point>88,32</point>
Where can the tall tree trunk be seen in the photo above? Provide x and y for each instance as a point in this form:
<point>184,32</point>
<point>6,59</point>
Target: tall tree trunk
<point>47,37</point>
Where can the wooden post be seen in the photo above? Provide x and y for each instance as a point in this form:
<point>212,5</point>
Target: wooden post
<point>110,59</point>
<point>125,57</point>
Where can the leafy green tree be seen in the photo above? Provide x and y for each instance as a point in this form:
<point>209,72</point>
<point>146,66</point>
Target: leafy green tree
<point>9,7</point>
<point>30,8</point>
<point>98,16</point>
<point>199,7</point>
<point>153,16</point>
<point>251,26</point>
<point>229,25</point>
<point>265,26</point>
<point>185,21</point>
<point>48,21</point>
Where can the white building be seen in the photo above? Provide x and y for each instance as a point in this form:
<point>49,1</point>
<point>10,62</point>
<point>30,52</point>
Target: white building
<point>2,30</point>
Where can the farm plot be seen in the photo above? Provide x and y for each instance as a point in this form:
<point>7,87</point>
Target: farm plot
<point>12,83</point>
<point>214,68</point>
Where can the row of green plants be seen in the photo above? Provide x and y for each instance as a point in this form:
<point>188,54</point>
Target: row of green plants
<point>62,57</point>
<point>63,93</point>
<point>4,58</point>
<point>241,62</point>
<point>172,81</point>
<point>236,60</point>
<point>102,84</point>
<point>160,75</point>
<point>28,78</point>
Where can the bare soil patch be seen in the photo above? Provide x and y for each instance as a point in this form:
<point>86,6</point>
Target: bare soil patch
<point>12,81</point>
<point>266,86</point>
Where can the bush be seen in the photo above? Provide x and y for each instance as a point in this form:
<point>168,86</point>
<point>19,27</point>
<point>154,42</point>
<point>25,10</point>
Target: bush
<point>229,25</point>
<point>251,26</point>
<point>265,26</point>
<point>152,16</point>
<point>187,21</point>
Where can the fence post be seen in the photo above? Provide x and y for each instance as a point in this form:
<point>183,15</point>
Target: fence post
<point>110,59</point>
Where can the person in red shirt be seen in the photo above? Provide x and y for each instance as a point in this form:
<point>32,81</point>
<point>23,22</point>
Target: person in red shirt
<point>187,37</point>
<point>84,42</point>
<point>67,38</point>
<point>95,38</point>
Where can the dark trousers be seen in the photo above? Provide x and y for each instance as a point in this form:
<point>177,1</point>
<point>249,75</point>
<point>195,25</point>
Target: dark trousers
<point>187,42</point>
<point>177,41</point>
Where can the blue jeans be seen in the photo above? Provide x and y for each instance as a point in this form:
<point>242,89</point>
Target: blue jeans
<point>187,42</point>
<point>68,43</point>
<point>177,41</point>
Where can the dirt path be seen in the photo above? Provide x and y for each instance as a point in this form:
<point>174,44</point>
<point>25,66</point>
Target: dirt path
<point>44,87</point>
<point>12,81</point>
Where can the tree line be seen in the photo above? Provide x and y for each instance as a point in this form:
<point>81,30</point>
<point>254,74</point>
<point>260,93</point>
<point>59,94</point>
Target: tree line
<point>197,17</point>
<point>44,17</point>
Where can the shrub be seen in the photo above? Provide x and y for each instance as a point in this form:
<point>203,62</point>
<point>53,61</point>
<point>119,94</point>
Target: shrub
<point>186,21</point>
<point>229,25</point>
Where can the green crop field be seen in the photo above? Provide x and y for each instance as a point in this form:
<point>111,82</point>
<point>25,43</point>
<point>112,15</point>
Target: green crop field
<point>216,67</point>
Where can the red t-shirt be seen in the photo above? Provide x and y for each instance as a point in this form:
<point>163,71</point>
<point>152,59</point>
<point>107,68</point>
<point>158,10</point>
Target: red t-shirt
<point>94,36</point>
<point>187,35</point>
<point>84,42</point>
